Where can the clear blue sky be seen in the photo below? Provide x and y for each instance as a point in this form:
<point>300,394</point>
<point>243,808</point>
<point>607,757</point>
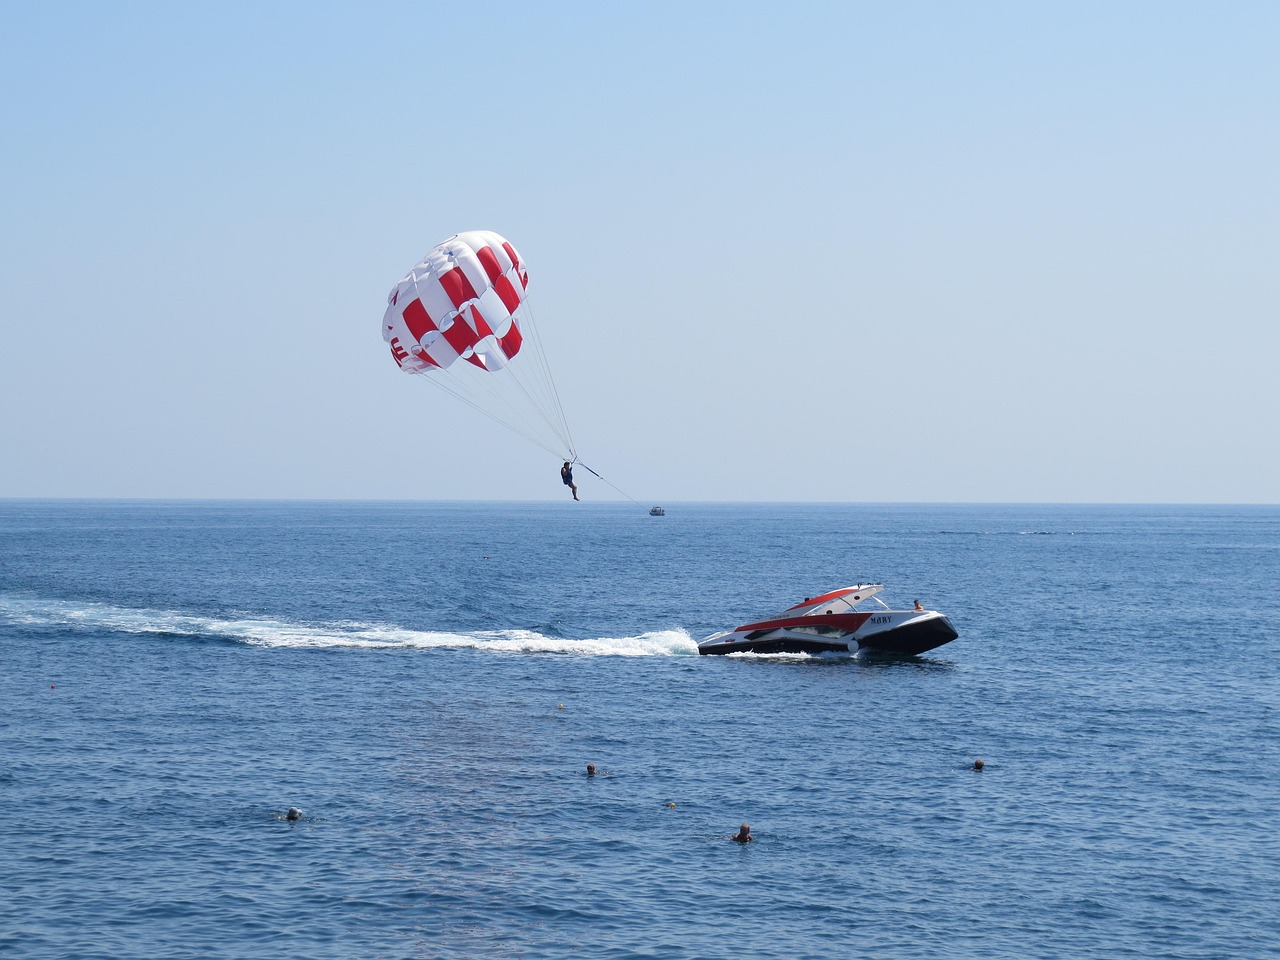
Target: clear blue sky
<point>806,251</point>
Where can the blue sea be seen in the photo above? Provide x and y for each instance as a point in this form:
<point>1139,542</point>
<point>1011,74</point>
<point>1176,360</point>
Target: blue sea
<point>426,682</point>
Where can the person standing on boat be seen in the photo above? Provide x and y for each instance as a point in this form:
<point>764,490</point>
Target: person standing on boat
<point>566,477</point>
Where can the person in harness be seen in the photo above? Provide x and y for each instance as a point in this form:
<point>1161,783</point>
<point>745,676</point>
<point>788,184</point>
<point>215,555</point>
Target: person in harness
<point>566,477</point>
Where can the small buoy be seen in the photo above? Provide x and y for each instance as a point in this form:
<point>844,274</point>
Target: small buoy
<point>53,686</point>
<point>561,707</point>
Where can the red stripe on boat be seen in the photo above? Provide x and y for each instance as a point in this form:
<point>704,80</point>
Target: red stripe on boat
<point>825,598</point>
<point>845,621</point>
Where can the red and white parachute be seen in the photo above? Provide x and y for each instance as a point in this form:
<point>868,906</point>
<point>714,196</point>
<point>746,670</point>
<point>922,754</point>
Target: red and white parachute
<point>466,301</point>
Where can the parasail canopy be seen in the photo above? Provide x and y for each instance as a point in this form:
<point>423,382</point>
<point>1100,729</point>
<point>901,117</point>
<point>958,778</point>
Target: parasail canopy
<point>458,303</point>
<point>466,300</point>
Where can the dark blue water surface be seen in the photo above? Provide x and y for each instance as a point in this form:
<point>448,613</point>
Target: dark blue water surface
<point>428,681</point>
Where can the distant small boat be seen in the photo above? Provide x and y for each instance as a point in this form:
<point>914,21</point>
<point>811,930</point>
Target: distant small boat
<point>833,623</point>
<point>657,512</point>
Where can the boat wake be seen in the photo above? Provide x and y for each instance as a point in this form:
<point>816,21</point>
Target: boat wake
<point>268,632</point>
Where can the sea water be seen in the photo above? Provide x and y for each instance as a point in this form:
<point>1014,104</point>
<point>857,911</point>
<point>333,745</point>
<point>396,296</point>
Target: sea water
<point>427,682</point>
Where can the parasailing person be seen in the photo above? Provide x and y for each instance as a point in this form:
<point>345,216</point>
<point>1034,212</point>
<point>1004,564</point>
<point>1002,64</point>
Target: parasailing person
<point>566,477</point>
<point>460,319</point>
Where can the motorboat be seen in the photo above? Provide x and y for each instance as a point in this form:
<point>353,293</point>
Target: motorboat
<point>852,619</point>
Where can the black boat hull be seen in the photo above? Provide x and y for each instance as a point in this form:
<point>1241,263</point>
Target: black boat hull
<point>906,640</point>
<point>911,639</point>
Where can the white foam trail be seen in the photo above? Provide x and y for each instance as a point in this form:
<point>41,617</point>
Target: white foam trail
<point>824,655</point>
<point>282,633</point>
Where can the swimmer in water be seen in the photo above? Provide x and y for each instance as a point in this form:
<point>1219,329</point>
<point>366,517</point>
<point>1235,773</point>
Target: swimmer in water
<point>743,835</point>
<point>591,769</point>
<point>293,814</point>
